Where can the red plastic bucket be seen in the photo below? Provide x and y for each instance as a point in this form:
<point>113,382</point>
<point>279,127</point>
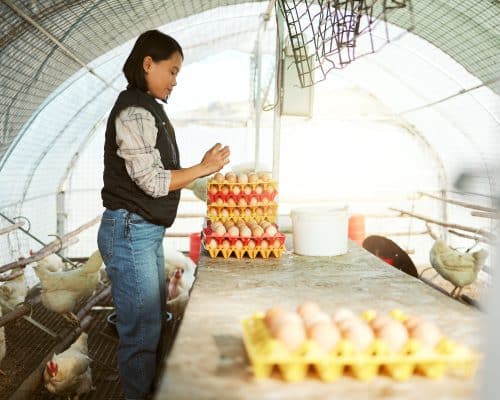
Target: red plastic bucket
<point>356,230</point>
<point>194,246</point>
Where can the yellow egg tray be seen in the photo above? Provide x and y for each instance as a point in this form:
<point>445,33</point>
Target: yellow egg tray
<point>240,253</point>
<point>267,354</point>
<point>246,218</point>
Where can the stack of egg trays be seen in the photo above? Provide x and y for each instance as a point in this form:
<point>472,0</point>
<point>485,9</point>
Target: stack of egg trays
<point>264,200</point>
<point>266,353</point>
<point>245,250</point>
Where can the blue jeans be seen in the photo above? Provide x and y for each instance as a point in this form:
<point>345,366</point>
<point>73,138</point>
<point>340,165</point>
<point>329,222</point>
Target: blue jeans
<point>132,250</point>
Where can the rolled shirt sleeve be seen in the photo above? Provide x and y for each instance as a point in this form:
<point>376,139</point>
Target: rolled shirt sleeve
<point>136,139</point>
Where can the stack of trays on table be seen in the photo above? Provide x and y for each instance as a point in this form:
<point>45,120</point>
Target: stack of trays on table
<point>242,212</point>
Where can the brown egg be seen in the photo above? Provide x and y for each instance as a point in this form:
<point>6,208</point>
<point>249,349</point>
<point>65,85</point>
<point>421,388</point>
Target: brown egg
<point>224,212</point>
<point>251,244</point>
<point>265,201</point>
<point>393,334</point>
<point>259,189</point>
<point>259,211</point>
<point>253,201</point>
<point>341,314</point>
<point>313,318</point>
<point>242,178</point>
<point>265,224</point>
<point>225,190</point>
<point>325,334</point>
<point>231,202</point>
<point>253,177</point>
<point>273,313</point>
<point>257,231</point>
<point>359,334</point>
<point>238,244</point>
<point>226,244</point>
<point>271,230</point>
<point>242,202</point>
<point>218,177</point>
<point>212,212</point>
<point>228,224</point>
<point>245,232</point>
<point>248,212</point>
<point>264,244</point>
<point>308,308</point>
<point>219,202</point>
<point>291,334</point>
<point>427,333</point>
<point>265,177</point>
<point>236,190</point>
<point>379,321</point>
<point>219,230</point>
<point>277,244</point>
<point>231,177</point>
<point>213,190</point>
<point>247,190</point>
<point>213,244</point>
<point>233,231</point>
<point>236,212</point>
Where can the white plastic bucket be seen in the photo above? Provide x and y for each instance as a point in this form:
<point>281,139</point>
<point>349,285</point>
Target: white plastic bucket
<point>320,231</point>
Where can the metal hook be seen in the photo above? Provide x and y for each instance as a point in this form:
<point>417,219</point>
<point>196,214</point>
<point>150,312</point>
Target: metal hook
<point>26,219</point>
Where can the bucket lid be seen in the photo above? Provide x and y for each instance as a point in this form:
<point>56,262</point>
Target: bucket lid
<point>321,210</point>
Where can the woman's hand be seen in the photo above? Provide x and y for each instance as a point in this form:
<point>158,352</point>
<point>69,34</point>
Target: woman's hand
<point>215,158</point>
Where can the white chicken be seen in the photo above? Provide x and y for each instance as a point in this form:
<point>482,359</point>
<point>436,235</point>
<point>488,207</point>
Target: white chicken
<point>180,270</point>
<point>3,345</point>
<point>460,269</point>
<point>52,263</point>
<point>13,293</point>
<point>62,290</point>
<point>68,373</point>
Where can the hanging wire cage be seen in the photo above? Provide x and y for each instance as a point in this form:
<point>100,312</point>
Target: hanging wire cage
<point>323,34</point>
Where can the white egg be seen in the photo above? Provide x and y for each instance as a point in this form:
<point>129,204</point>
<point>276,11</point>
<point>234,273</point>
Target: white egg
<point>242,178</point>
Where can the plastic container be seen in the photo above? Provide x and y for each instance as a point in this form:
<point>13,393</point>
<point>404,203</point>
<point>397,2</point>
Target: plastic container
<point>320,231</point>
<point>356,230</point>
<point>194,246</point>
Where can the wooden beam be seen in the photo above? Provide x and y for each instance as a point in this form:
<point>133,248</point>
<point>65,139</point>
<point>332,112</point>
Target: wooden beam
<point>11,228</point>
<point>482,232</point>
<point>52,247</point>
<point>459,203</point>
<point>485,214</point>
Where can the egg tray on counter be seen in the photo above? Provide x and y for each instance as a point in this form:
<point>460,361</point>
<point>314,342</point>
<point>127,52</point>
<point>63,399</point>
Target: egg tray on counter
<point>267,354</point>
<point>245,250</point>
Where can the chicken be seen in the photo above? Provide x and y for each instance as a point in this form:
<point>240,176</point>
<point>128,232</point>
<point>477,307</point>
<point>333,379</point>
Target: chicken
<point>3,345</point>
<point>13,293</point>
<point>460,269</point>
<point>68,373</point>
<point>62,290</point>
<point>52,262</point>
<point>181,273</point>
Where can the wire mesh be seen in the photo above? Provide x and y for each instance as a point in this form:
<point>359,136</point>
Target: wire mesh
<point>323,34</point>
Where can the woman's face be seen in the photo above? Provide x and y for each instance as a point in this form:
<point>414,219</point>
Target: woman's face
<point>161,76</point>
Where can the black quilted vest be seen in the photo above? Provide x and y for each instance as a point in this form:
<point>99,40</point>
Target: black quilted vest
<point>119,190</point>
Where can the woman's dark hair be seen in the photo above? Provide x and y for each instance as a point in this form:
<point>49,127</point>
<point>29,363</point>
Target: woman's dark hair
<point>155,44</point>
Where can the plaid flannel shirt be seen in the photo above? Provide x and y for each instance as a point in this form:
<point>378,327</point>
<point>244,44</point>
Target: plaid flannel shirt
<point>136,139</point>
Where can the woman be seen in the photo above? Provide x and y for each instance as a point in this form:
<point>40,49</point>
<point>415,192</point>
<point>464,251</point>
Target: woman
<point>142,182</point>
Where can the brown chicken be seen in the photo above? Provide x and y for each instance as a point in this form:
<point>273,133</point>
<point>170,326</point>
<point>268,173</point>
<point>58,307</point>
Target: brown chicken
<point>62,290</point>
<point>461,269</point>
<point>68,373</point>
